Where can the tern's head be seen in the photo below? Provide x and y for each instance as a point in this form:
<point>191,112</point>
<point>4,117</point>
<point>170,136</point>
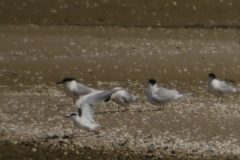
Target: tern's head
<point>211,75</point>
<point>73,115</point>
<point>65,80</point>
<point>152,82</point>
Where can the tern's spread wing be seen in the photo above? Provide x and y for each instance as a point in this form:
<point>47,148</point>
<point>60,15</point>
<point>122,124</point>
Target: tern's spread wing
<point>86,103</point>
<point>81,90</point>
<point>96,98</point>
<point>87,112</point>
<point>163,95</point>
<point>224,88</point>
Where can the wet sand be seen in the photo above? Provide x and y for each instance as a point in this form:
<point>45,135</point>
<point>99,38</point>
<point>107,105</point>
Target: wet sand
<point>124,13</point>
<point>33,108</point>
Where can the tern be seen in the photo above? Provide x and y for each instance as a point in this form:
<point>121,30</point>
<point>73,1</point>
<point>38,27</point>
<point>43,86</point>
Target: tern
<point>220,88</point>
<point>160,96</point>
<point>74,89</point>
<point>83,122</point>
<point>85,117</point>
<point>123,98</point>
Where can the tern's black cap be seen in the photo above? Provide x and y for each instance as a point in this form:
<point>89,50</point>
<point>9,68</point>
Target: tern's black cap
<point>66,80</point>
<point>152,81</point>
<point>212,75</point>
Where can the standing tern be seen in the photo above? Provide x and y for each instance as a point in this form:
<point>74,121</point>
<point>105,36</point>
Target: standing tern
<point>123,98</point>
<point>220,88</point>
<point>160,96</point>
<point>85,117</point>
<point>74,89</point>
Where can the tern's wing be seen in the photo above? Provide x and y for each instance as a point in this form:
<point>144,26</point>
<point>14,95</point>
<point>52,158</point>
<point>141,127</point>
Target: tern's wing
<point>224,88</point>
<point>81,90</point>
<point>99,97</point>
<point>163,95</point>
<point>127,97</point>
<point>87,111</point>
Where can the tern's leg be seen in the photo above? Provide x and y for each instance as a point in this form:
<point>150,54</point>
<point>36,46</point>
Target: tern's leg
<point>118,109</point>
<point>89,133</point>
<point>161,107</point>
<point>74,101</point>
<point>222,99</point>
<point>126,108</point>
<point>217,98</point>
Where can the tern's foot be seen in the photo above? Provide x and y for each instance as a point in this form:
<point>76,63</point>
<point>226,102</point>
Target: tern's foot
<point>96,132</point>
<point>125,110</point>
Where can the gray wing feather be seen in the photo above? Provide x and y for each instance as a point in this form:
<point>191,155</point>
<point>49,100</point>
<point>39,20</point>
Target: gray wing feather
<point>87,102</point>
<point>127,97</point>
<point>99,97</point>
<point>88,112</point>
<point>81,90</point>
<point>225,88</point>
<point>164,95</point>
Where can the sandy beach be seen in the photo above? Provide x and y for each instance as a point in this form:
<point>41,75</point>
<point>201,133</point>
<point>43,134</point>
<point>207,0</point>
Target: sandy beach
<point>33,107</point>
<point>106,44</point>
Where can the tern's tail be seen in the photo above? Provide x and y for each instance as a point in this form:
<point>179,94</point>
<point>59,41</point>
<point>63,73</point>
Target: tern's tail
<point>136,99</point>
<point>237,90</point>
<point>184,95</point>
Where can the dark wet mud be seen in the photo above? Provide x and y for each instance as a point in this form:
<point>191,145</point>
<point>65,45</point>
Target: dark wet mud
<point>30,151</point>
<point>124,13</point>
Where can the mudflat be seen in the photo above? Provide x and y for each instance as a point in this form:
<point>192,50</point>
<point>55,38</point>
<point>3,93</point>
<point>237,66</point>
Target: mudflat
<point>124,13</point>
<point>33,107</point>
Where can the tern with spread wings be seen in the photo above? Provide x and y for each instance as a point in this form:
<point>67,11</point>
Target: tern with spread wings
<point>85,105</point>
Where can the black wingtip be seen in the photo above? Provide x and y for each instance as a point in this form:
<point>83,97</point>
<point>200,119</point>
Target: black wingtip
<point>152,81</point>
<point>211,75</point>
<point>79,112</point>
<point>108,99</point>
